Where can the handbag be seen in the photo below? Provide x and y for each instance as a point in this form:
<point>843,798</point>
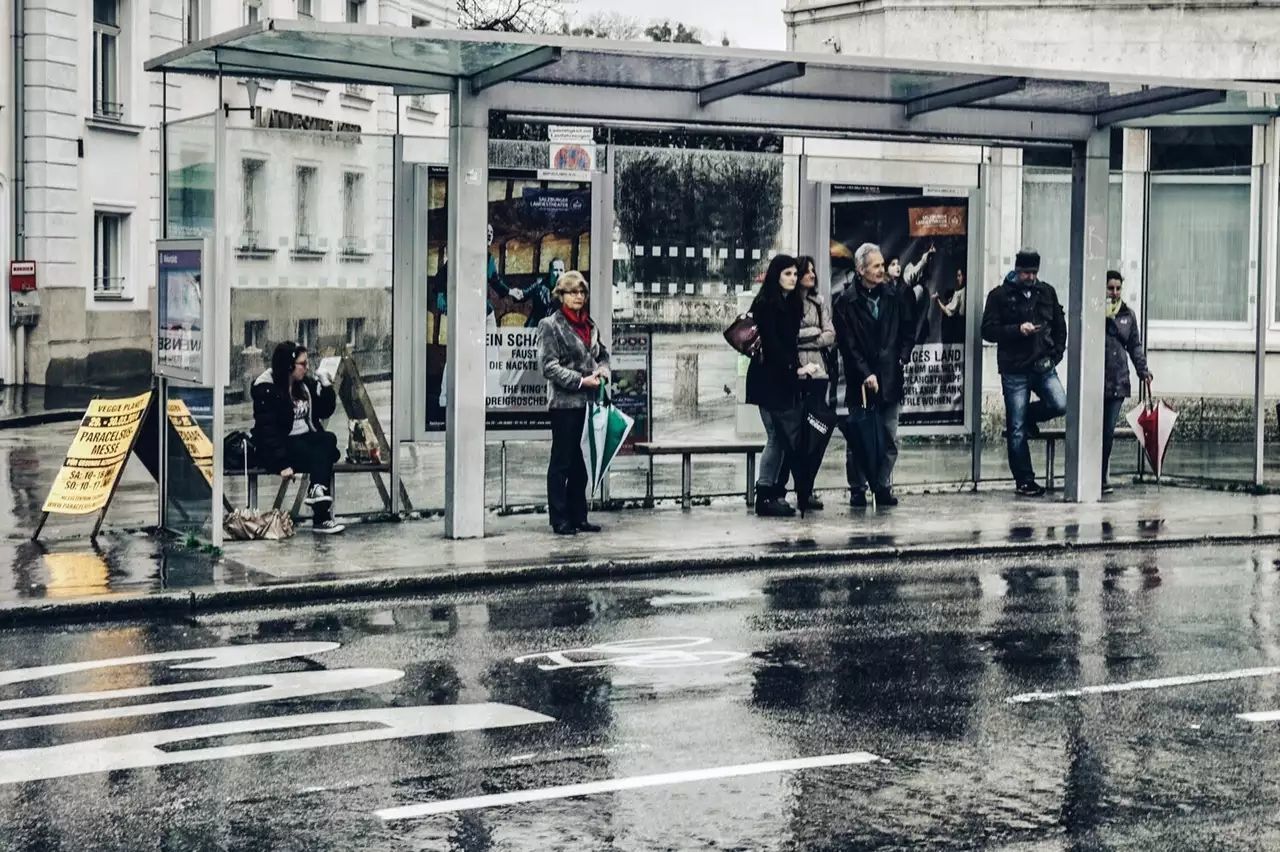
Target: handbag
<point>238,451</point>
<point>362,444</point>
<point>248,525</point>
<point>743,335</point>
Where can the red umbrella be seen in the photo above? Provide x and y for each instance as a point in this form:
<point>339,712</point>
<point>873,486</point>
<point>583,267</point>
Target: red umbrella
<point>1152,423</point>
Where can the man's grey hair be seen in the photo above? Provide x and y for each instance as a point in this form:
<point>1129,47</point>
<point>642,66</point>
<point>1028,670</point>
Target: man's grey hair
<point>863,254</point>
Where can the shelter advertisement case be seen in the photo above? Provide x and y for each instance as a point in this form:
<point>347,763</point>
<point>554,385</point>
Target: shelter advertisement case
<point>537,231</point>
<point>924,236</point>
<point>183,314</point>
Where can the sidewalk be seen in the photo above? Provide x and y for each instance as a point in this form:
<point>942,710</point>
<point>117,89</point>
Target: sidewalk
<point>34,405</point>
<point>133,575</point>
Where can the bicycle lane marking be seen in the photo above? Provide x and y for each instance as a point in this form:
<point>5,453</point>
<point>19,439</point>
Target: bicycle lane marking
<point>1138,685</point>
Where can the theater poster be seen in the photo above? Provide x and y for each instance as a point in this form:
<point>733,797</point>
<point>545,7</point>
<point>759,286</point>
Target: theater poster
<point>925,240</point>
<point>537,231</point>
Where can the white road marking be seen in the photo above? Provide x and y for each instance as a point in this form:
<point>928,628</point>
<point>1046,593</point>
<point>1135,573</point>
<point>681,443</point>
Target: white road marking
<point>136,751</point>
<point>615,784</point>
<point>727,596</point>
<point>664,652</point>
<point>1260,716</point>
<point>1135,685</point>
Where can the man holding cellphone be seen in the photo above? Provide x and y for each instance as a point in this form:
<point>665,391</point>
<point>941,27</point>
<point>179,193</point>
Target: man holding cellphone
<point>1025,320</point>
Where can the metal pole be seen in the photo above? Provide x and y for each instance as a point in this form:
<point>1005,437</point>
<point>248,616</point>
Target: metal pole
<point>502,456</point>
<point>1086,322</point>
<point>1266,190</point>
<point>19,170</point>
<point>220,292</point>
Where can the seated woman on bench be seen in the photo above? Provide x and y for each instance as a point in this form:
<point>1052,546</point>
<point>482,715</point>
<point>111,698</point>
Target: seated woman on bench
<point>288,435</point>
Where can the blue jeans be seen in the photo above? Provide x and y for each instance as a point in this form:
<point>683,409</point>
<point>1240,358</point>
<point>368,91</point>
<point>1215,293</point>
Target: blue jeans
<point>771,460</point>
<point>1019,410</point>
<point>1110,417</point>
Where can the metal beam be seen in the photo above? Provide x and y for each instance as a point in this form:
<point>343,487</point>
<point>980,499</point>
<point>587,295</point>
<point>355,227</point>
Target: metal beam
<point>514,68</point>
<point>256,63</point>
<point>750,82</point>
<point>967,93</point>
<point>786,115</point>
<point>1154,102</point>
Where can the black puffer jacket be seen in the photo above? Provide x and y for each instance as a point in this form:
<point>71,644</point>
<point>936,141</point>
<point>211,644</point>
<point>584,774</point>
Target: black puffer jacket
<point>273,418</point>
<point>1124,341</point>
<point>1008,307</point>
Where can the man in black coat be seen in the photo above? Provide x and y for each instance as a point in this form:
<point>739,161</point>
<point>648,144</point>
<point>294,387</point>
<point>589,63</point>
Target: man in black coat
<point>875,332</point>
<point>1025,320</point>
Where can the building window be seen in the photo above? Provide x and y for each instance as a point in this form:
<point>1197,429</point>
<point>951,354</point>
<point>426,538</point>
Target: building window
<point>1193,218</point>
<point>355,11</point>
<point>108,255</point>
<point>355,332</point>
<point>352,211</point>
<point>255,190</point>
<point>192,21</point>
<point>255,334</point>
<point>106,60</point>
<point>305,213</point>
<point>304,8</point>
<point>309,333</point>
<point>252,11</point>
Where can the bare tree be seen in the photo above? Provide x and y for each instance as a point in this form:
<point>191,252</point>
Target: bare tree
<point>610,25</point>
<point>512,16</point>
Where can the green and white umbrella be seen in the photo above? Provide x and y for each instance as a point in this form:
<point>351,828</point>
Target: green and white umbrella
<point>603,434</point>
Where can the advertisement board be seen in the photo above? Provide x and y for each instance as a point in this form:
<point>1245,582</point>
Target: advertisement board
<point>537,230</point>
<point>97,455</point>
<point>183,312</point>
<point>927,236</point>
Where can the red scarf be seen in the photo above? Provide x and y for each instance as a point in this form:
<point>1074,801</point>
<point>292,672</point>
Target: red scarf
<point>580,322</point>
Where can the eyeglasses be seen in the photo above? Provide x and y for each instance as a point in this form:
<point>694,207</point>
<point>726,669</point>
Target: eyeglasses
<point>302,364</point>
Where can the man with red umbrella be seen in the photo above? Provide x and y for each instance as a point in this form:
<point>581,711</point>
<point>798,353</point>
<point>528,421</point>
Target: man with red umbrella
<point>1124,344</point>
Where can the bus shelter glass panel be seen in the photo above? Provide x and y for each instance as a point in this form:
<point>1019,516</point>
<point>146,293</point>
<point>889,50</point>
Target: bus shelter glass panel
<point>694,233</point>
<point>189,178</point>
<point>310,230</point>
<point>1201,298</point>
<point>189,460</point>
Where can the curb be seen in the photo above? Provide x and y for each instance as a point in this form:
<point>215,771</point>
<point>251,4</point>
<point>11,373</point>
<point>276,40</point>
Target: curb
<point>61,415</point>
<point>184,604</point>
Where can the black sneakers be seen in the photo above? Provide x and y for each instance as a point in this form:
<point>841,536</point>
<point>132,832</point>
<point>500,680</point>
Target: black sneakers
<point>858,499</point>
<point>318,495</point>
<point>774,508</point>
<point>327,527</point>
<point>885,499</point>
<point>1029,489</point>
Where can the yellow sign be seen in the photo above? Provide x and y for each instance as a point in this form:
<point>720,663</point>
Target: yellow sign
<point>198,445</point>
<point>97,455</point>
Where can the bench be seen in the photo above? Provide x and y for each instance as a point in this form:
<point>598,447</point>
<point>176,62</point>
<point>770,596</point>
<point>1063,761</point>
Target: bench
<point>687,450</point>
<point>1051,436</point>
<point>375,470</point>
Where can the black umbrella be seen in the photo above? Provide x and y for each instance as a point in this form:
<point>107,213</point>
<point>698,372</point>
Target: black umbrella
<point>865,434</point>
<point>816,422</point>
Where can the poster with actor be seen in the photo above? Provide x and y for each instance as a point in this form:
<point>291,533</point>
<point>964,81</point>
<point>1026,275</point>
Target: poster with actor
<point>537,231</point>
<point>925,242</point>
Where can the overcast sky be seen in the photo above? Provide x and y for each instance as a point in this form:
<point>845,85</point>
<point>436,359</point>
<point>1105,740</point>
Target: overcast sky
<point>748,23</point>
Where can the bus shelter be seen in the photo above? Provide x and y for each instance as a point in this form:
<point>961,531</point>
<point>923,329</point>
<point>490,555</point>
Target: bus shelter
<point>587,82</point>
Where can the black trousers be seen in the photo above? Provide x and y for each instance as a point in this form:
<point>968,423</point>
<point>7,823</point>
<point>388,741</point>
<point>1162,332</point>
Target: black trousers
<point>566,471</point>
<point>314,454</point>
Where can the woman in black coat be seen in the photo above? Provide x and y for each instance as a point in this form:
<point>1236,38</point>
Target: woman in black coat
<point>288,433</point>
<point>1124,344</point>
<point>773,380</point>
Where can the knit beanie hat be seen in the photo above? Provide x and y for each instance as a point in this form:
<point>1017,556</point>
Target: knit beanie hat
<point>1027,259</point>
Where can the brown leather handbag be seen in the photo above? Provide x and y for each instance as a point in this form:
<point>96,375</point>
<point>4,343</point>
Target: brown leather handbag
<point>743,335</point>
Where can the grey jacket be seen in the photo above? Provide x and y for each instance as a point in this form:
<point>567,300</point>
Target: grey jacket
<point>565,361</point>
<point>817,334</point>
<point>1124,342</point>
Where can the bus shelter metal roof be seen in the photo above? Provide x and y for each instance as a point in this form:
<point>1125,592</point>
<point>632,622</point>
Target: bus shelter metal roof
<point>611,81</point>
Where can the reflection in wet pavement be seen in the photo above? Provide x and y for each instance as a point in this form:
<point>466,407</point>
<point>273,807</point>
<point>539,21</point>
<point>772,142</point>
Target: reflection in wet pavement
<point>915,665</point>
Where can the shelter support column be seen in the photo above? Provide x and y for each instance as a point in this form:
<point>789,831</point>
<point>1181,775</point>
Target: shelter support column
<point>1266,201</point>
<point>1086,319</point>
<point>466,295</point>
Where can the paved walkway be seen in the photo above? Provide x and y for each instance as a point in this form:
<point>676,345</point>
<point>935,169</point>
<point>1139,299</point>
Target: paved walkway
<point>132,574</point>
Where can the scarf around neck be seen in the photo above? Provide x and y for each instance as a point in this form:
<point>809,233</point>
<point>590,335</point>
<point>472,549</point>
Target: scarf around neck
<point>580,322</point>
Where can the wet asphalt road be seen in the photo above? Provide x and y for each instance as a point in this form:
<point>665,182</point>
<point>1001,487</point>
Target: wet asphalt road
<point>911,670</point>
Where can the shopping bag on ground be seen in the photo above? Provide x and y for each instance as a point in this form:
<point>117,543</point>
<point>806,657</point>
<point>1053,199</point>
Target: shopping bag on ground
<point>1152,423</point>
<point>604,432</point>
<point>250,525</point>
<point>362,443</point>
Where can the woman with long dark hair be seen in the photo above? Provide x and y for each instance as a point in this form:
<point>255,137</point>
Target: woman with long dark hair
<point>774,375</point>
<point>575,363</point>
<point>817,343</point>
<point>289,407</point>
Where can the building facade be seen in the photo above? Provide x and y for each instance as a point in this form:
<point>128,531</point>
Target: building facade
<point>94,161</point>
<point>1186,197</point>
